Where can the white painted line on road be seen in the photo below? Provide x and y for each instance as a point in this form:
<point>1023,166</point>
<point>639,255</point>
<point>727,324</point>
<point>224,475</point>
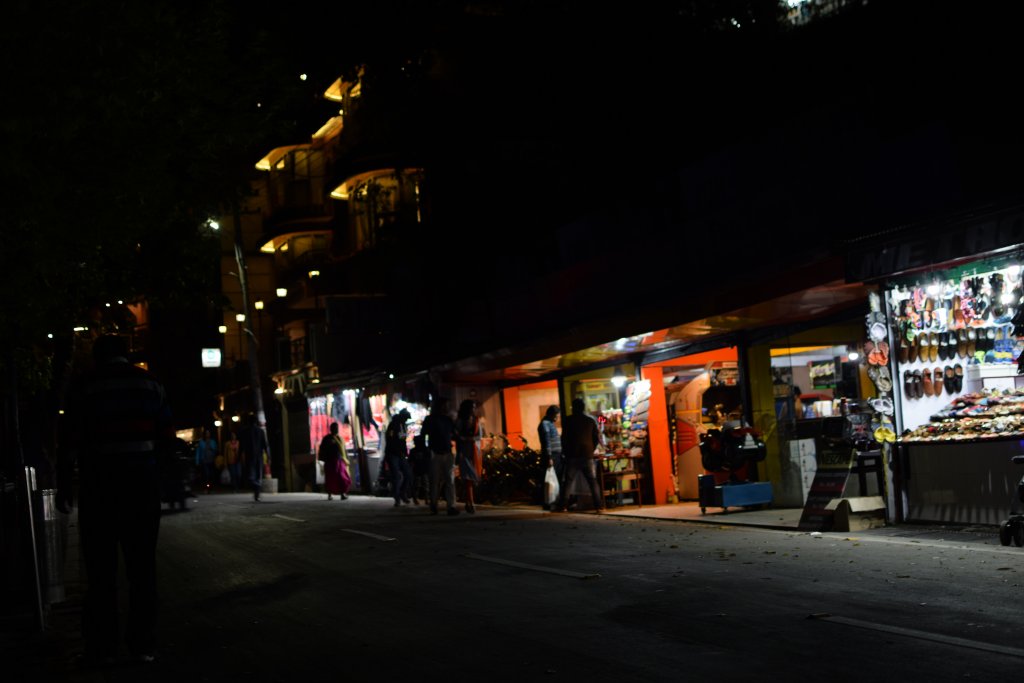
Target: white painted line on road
<point>533,567</point>
<point>924,635</point>
<point>367,533</point>
<point>290,519</point>
<point>940,544</point>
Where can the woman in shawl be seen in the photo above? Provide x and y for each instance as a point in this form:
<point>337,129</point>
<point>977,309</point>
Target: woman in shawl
<point>332,453</point>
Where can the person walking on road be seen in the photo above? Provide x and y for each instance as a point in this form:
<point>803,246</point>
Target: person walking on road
<point>550,444</point>
<point>231,460</point>
<point>335,459</point>
<point>580,438</point>
<point>440,431</point>
<point>206,456</point>
<point>466,434</point>
<point>253,444</point>
<point>420,457</point>
<point>118,425</point>
<point>397,453</point>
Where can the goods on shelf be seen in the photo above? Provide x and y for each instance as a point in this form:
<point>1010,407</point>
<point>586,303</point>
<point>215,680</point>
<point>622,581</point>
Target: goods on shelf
<point>988,414</point>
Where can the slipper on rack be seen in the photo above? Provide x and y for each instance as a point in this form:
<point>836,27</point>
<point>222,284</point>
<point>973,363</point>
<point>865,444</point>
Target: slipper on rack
<point>958,373</point>
<point>937,382</point>
<point>885,434</point>
<point>926,383</point>
<point>882,405</point>
<point>949,380</point>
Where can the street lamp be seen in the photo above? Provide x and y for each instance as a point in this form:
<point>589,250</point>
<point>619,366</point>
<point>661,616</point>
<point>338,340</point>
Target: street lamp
<point>240,317</point>
<point>258,305</point>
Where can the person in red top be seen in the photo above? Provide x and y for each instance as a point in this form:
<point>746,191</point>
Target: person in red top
<point>118,425</point>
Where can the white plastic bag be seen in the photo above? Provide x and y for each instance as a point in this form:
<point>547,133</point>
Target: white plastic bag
<point>550,486</point>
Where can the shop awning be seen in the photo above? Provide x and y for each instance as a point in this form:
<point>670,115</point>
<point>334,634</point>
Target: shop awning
<point>515,365</point>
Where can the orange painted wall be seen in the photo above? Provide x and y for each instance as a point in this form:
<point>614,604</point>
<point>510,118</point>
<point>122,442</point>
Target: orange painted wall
<point>657,433</point>
<point>513,413</point>
<point>513,416</point>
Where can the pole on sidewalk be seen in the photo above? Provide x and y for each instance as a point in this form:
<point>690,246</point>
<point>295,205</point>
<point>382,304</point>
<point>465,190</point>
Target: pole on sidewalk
<point>30,487</point>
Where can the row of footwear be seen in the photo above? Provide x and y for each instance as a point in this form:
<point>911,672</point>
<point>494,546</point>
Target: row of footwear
<point>963,344</point>
<point>920,383</point>
<point>973,302</point>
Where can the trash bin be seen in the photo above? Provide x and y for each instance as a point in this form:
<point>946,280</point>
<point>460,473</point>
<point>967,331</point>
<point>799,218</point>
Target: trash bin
<point>54,548</point>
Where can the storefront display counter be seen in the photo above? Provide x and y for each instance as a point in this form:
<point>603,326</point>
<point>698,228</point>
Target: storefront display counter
<point>964,481</point>
<point>621,478</point>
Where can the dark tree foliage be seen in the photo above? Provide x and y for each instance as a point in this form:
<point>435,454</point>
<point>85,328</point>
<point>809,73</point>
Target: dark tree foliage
<point>125,126</point>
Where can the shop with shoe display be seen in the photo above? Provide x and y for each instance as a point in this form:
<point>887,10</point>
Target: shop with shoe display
<point>960,399</point>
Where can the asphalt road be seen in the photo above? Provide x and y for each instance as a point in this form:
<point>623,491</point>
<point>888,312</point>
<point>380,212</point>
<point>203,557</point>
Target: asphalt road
<point>298,588</point>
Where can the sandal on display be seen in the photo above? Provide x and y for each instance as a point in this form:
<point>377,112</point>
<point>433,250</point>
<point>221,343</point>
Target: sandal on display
<point>926,381</point>
<point>908,384</point>
<point>937,382</point>
<point>904,350</point>
<point>918,383</point>
<point>949,381</point>
<point>958,373</point>
<point>882,405</point>
<point>933,347</point>
<point>961,343</point>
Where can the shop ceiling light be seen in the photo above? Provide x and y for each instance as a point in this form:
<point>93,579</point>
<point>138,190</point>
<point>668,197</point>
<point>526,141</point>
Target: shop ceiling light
<point>619,378</point>
<point>258,305</point>
<point>240,317</point>
<point>223,329</point>
<point>282,292</point>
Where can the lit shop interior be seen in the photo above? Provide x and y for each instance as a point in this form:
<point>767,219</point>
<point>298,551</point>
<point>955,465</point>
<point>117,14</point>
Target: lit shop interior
<point>960,401</point>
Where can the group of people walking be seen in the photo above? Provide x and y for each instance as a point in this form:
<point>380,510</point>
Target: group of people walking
<point>243,455</point>
<point>446,443</point>
<point>571,454</point>
<point>429,469</point>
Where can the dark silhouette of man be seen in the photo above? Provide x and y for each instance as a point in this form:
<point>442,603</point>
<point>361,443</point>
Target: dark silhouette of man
<point>252,444</point>
<point>118,425</point>
<point>580,437</point>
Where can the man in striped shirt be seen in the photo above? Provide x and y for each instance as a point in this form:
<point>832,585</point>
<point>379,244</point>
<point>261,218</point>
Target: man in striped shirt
<point>119,423</point>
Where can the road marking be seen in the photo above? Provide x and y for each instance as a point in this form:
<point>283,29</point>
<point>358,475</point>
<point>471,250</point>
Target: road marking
<point>533,567</point>
<point>367,533</point>
<point>290,519</point>
<point>922,635</point>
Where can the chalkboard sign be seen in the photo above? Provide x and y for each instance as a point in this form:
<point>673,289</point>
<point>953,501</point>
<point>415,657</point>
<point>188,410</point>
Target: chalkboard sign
<point>835,459</point>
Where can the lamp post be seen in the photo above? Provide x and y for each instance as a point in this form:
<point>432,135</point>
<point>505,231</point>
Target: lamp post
<point>240,317</point>
<point>314,276</point>
<point>254,370</point>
